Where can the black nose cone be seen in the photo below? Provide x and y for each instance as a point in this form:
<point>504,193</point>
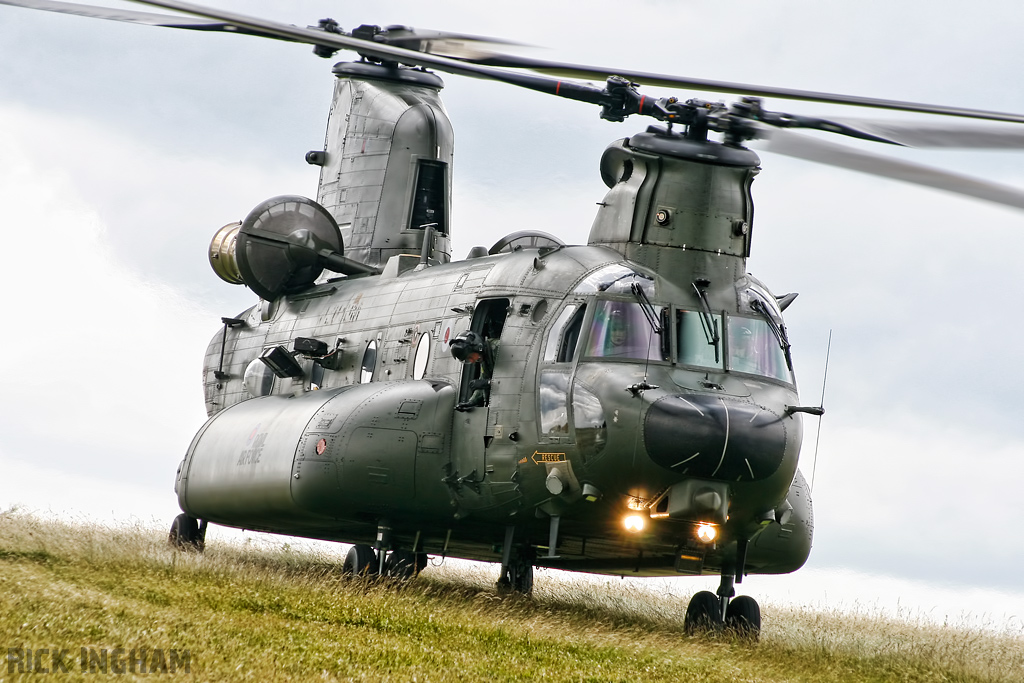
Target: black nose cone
<point>712,437</point>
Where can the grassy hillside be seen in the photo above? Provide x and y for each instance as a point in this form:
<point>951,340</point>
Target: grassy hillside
<point>245,612</point>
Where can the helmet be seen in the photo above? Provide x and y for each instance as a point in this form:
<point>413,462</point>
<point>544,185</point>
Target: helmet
<point>467,347</point>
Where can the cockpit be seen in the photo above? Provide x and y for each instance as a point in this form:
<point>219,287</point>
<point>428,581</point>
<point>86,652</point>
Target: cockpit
<point>614,320</point>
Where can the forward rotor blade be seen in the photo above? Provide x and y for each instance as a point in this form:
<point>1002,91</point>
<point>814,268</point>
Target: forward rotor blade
<point>811,149</point>
<point>937,135</point>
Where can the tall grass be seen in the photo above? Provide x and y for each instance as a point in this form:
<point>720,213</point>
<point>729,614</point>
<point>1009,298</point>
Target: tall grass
<point>261,611</point>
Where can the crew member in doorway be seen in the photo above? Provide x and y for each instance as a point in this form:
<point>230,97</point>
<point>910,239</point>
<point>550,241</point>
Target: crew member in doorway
<point>472,348</point>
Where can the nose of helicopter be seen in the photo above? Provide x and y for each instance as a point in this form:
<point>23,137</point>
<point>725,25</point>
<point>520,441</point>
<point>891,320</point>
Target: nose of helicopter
<point>714,437</point>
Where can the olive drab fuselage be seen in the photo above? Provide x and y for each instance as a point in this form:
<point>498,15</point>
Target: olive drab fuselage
<point>329,453</point>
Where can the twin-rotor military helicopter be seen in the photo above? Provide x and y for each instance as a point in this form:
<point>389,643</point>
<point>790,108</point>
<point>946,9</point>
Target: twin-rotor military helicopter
<point>624,407</point>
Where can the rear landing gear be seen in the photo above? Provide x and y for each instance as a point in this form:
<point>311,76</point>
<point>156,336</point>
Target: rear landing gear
<point>517,576</point>
<point>404,564</point>
<point>516,566</point>
<point>362,560</point>
<point>187,533</point>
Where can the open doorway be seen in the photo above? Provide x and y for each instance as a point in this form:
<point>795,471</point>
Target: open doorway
<point>488,321</point>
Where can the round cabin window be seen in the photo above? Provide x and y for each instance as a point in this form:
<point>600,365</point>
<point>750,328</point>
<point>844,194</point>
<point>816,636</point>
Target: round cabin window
<point>369,362</point>
<point>258,378</point>
<point>419,364</point>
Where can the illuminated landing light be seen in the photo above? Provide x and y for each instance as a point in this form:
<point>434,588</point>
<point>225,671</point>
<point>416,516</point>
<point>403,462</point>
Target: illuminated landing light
<point>707,533</point>
<point>634,523</point>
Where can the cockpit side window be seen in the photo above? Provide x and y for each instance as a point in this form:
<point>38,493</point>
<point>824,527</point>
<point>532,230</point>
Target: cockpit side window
<point>621,330</point>
<point>565,334</point>
<point>753,348</point>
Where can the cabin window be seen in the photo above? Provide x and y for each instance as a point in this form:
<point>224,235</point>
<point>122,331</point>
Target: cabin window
<point>369,362</point>
<point>621,330</point>
<point>552,393</point>
<point>316,376</point>
<point>589,421</point>
<point>429,197</point>
<point>615,279</point>
<point>258,378</point>
<point>565,334</point>
<point>419,363</point>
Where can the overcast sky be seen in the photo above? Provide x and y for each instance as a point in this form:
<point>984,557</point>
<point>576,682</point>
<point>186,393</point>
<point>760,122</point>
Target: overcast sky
<point>123,148</point>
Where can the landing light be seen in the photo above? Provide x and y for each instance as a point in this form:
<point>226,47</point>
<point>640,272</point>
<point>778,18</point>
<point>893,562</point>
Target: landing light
<point>707,533</point>
<point>634,523</point>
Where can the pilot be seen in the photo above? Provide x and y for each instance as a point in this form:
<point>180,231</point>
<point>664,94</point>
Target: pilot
<point>617,330</point>
<point>620,339</point>
<point>743,355</point>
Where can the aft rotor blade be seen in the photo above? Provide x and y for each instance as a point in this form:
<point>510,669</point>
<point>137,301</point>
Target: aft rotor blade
<point>811,149</point>
<point>132,17</point>
<point>938,135</point>
<point>455,45</point>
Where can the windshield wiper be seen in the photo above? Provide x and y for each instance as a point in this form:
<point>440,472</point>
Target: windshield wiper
<point>707,320</point>
<point>646,306</point>
<point>777,328</point>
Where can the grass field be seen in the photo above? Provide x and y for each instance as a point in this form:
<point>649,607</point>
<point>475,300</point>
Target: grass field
<point>246,611</point>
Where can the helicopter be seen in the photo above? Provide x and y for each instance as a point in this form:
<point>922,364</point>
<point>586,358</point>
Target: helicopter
<point>663,318</point>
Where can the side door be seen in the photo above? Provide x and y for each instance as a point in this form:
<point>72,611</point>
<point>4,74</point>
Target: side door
<point>472,428</point>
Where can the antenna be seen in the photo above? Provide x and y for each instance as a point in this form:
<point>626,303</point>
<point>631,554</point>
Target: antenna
<point>824,379</point>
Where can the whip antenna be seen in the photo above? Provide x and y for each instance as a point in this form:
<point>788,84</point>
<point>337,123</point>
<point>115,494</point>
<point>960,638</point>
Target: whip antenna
<point>824,380</point>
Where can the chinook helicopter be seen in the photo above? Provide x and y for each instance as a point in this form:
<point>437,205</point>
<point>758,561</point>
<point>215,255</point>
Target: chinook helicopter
<point>633,409</point>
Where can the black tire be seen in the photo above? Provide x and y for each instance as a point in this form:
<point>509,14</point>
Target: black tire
<point>520,576</point>
<point>743,617</point>
<point>401,564</point>
<point>360,560</point>
<point>704,613</point>
<point>184,534</point>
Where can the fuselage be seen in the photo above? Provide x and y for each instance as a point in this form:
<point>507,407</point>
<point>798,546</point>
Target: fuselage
<point>614,391</point>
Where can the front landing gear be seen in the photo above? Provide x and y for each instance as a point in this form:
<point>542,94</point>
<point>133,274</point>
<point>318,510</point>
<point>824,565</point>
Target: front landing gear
<point>709,612</point>
<point>743,616</point>
<point>187,533</point>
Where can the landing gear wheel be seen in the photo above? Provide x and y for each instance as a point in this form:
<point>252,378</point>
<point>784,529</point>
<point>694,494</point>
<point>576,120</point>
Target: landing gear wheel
<point>743,616</point>
<point>703,613</point>
<point>360,560</point>
<point>518,578</point>
<point>402,564</point>
<point>187,534</point>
